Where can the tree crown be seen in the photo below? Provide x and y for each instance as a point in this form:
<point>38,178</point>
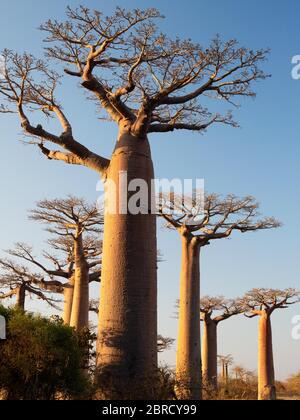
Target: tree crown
<point>14,276</point>
<point>71,216</point>
<point>142,79</point>
<point>212,217</point>
<point>259,301</point>
<point>219,309</point>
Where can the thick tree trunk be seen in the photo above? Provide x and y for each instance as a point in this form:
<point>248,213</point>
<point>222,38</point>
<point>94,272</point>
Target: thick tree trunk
<point>68,301</point>
<point>266,374</point>
<point>80,304</point>
<point>20,297</point>
<point>127,335</point>
<point>188,364</point>
<point>210,353</point>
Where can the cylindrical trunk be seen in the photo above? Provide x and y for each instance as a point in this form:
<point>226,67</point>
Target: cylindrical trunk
<point>127,334</point>
<point>226,373</point>
<point>188,363</point>
<point>223,372</point>
<point>80,305</point>
<point>20,297</point>
<point>266,374</point>
<point>68,300</point>
<point>210,353</point>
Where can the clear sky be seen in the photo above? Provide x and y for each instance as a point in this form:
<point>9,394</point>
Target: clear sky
<point>261,159</point>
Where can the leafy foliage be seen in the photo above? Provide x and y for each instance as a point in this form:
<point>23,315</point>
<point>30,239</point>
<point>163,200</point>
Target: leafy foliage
<point>40,359</point>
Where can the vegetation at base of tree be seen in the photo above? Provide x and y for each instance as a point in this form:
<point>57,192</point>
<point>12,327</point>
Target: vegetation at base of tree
<point>41,359</point>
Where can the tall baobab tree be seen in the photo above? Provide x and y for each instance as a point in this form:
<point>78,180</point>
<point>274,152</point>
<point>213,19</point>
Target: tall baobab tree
<point>146,83</point>
<point>262,303</point>
<point>72,217</point>
<point>213,311</point>
<point>198,224</point>
<point>19,281</point>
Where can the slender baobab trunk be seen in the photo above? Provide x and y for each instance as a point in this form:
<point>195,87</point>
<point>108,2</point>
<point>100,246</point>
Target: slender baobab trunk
<point>80,304</point>
<point>210,353</point>
<point>266,375</point>
<point>188,364</point>
<point>223,372</point>
<point>20,297</point>
<point>226,373</point>
<point>68,301</point>
<point>127,335</point>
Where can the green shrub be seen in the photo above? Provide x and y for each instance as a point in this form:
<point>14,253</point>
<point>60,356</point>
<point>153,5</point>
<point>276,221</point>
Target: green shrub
<point>40,359</point>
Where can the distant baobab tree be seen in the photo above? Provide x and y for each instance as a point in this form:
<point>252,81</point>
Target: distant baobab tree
<point>58,272</point>
<point>243,374</point>
<point>164,343</point>
<point>94,306</point>
<point>262,303</point>
<point>198,227</point>
<point>146,83</point>
<point>225,362</point>
<point>19,281</point>
<point>213,311</point>
<point>73,217</point>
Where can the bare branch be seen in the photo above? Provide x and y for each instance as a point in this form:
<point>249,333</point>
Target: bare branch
<point>27,83</point>
<point>259,301</point>
<point>223,308</point>
<point>211,217</point>
<point>127,51</point>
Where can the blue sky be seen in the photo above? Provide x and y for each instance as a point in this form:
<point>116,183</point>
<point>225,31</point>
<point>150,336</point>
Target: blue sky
<point>261,158</point>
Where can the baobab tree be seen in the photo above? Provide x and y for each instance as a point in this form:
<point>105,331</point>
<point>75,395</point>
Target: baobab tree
<point>225,362</point>
<point>146,83</point>
<point>74,224</point>
<point>18,281</point>
<point>164,343</point>
<point>73,217</point>
<point>198,223</point>
<point>213,311</point>
<point>243,374</point>
<point>59,270</point>
<point>262,303</point>
<point>59,274</point>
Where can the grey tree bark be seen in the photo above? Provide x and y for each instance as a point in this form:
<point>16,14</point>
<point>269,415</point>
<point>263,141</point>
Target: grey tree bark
<point>127,334</point>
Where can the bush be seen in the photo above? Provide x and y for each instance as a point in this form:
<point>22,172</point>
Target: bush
<point>40,359</point>
<point>292,386</point>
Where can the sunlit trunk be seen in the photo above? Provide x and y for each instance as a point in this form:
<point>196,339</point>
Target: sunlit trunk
<point>68,301</point>
<point>127,335</point>
<point>223,372</point>
<point>210,353</point>
<point>188,363</point>
<point>266,375</point>
<point>80,305</point>
<point>20,297</point>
